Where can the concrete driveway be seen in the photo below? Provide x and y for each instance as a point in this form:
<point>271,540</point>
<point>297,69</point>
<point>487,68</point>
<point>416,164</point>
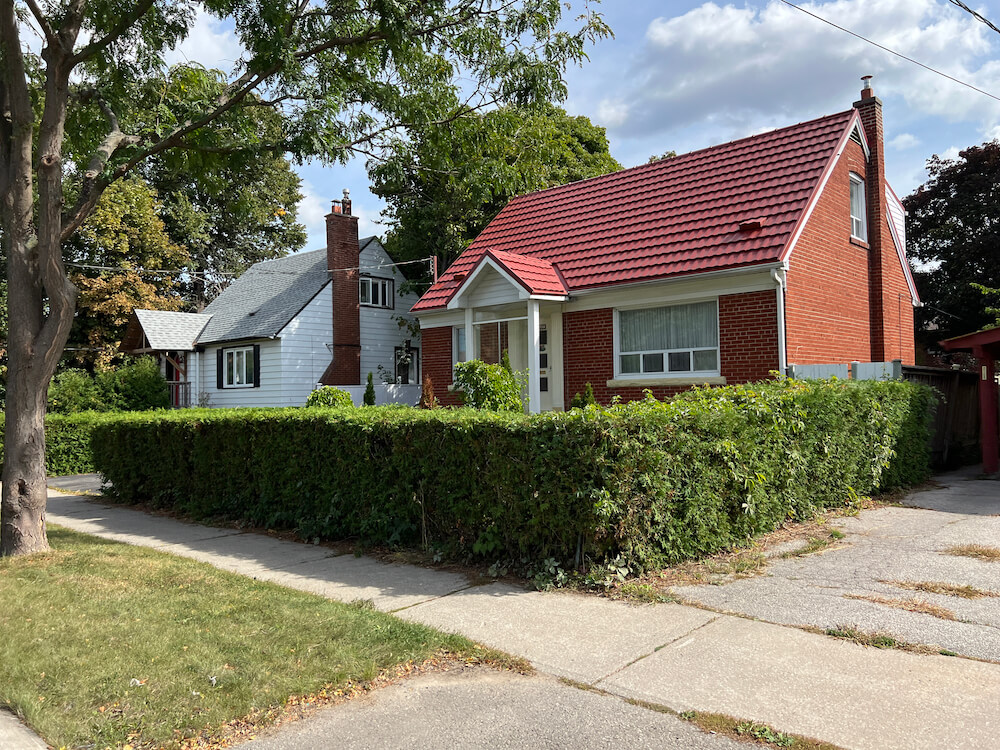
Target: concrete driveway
<point>888,559</point>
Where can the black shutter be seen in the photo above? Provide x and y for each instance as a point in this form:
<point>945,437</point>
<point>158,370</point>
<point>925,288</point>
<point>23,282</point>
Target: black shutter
<point>218,369</point>
<point>256,365</point>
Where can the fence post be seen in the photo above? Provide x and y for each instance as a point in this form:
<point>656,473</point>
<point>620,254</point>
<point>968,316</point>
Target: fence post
<point>855,366</point>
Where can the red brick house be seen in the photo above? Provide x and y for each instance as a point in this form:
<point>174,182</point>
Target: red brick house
<point>717,266</point>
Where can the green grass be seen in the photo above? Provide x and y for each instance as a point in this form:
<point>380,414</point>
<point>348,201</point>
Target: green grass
<point>104,644</point>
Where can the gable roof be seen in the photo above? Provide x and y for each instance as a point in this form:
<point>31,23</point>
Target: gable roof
<point>164,330</point>
<point>264,299</point>
<point>673,217</point>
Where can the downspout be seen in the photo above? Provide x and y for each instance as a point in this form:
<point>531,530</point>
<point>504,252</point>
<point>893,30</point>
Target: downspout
<point>778,275</point>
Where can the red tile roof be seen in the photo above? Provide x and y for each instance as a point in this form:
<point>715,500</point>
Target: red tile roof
<point>673,217</point>
<point>537,275</point>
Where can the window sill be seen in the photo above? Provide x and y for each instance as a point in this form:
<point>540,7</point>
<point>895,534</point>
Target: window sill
<point>626,382</point>
<point>860,243</point>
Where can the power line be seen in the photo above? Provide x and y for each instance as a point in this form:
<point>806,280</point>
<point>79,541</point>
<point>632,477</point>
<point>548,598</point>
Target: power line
<point>894,52</point>
<point>206,274</point>
<point>977,16</point>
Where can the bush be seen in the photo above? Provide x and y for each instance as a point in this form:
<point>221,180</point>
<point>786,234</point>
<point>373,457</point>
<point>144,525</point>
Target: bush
<point>329,396</point>
<point>68,447</point>
<point>645,484</point>
<point>370,392</point>
<point>491,387</point>
<point>587,399</point>
<point>133,387</point>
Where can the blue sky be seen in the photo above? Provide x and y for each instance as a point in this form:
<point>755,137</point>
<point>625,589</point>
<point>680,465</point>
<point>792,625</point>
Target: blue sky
<point>683,75</point>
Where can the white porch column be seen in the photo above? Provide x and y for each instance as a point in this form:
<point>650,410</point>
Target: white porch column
<point>534,361</point>
<point>469,336</point>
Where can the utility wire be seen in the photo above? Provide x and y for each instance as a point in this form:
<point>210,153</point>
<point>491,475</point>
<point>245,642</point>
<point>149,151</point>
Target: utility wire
<point>163,271</point>
<point>894,52</point>
<point>977,16</point>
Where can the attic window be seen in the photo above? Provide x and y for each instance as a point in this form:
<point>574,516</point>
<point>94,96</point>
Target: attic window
<point>859,212</point>
<point>752,225</point>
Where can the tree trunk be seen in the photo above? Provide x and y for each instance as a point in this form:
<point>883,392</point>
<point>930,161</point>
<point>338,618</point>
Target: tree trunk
<point>22,511</point>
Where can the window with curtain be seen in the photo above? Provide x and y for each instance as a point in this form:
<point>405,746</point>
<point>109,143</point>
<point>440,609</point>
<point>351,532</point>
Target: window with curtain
<point>669,340</point>
<point>859,213</point>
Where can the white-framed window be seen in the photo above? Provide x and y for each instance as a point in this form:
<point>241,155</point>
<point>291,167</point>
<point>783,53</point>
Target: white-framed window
<point>373,292</point>
<point>457,345</point>
<point>859,211</point>
<point>672,340</point>
<point>238,369</point>
<point>407,360</point>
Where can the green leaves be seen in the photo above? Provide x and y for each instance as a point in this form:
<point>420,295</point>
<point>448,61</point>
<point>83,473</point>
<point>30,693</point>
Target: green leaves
<point>490,387</point>
<point>953,230</point>
<point>639,485</point>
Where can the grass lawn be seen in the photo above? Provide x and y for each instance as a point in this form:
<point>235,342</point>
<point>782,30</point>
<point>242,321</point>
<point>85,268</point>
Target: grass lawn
<point>104,644</point>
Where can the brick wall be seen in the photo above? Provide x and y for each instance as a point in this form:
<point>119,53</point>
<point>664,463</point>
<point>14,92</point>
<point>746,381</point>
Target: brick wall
<point>827,302</point>
<point>748,336</point>
<point>436,344</point>
<point>748,347</point>
<point>848,300</point>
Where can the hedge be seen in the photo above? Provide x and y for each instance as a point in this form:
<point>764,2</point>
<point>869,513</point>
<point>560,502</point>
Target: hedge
<point>654,482</point>
<point>67,442</point>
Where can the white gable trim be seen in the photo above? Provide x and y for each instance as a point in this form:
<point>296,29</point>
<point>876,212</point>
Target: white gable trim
<point>899,242</point>
<point>854,127</point>
<point>457,300</point>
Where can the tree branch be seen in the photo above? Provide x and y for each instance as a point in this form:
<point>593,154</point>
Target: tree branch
<point>122,26</point>
<point>51,37</point>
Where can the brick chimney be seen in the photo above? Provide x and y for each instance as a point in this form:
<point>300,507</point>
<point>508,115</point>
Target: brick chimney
<point>882,252</point>
<point>342,252</point>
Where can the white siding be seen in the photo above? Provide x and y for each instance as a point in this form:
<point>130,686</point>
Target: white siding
<point>269,392</point>
<point>305,348</point>
<point>490,288</point>
<point>380,330</point>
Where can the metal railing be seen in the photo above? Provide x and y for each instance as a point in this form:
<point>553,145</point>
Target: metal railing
<point>180,394</point>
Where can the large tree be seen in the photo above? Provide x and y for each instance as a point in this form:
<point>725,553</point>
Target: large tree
<point>953,236</point>
<point>112,260</point>
<point>447,183</point>
<point>347,76</point>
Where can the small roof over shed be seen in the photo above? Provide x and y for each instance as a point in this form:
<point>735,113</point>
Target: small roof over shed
<point>163,330</point>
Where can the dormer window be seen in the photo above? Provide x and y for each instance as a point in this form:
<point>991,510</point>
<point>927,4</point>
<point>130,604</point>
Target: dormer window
<point>859,211</point>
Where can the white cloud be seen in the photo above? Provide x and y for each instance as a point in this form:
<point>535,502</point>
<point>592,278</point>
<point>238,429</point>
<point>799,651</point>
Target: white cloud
<point>210,41</point>
<point>612,113</point>
<point>904,141</point>
<point>736,70</point>
<point>314,207</point>
<point>992,133</point>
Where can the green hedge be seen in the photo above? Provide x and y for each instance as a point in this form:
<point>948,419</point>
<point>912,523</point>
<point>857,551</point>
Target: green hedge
<point>67,442</point>
<point>655,482</point>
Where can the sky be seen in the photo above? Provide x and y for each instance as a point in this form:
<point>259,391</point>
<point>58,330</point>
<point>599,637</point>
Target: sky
<point>681,75</point>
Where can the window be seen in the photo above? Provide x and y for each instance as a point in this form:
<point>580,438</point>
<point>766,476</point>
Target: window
<point>375,292</point>
<point>669,340</point>
<point>859,213</point>
<point>238,367</point>
<point>458,345</point>
<point>407,365</point>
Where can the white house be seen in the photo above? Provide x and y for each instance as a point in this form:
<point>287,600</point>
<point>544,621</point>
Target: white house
<point>327,316</point>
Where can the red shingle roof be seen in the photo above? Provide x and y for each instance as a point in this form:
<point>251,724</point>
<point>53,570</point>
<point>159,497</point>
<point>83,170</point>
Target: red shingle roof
<point>537,275</point>
<point>673,217</point>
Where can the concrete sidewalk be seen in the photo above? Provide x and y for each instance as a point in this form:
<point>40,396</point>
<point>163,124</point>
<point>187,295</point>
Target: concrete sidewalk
<point>679,657</point>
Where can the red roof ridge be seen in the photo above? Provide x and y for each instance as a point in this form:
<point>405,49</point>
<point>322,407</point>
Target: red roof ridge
<point>686,156</point>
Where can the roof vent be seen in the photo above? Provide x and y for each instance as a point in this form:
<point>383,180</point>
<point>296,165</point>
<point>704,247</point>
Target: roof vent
<point>752,225</point>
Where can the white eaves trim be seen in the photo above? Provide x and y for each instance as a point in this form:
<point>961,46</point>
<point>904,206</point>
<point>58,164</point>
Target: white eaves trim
<point>523,293</point>
<point>855,127</point>
<point>897,228</point>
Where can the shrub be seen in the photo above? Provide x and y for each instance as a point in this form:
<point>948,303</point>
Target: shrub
<point>490,387</point>
<point>68,447</point>
<point>427,398</point>
<point>587,399</point>
<point>370,392</point>
<point>329,396</point>
<point>644,484</point>
<point>136,386</point>
<point>74,391</point>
